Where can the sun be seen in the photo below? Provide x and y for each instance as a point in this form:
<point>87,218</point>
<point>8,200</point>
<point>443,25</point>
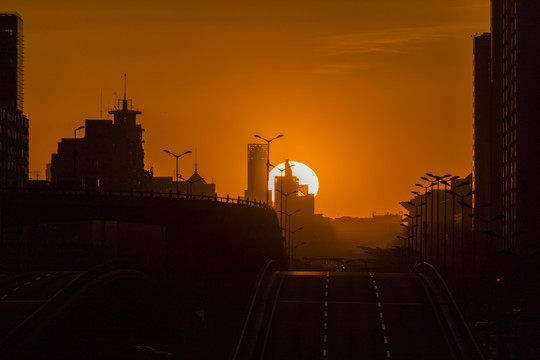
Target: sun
<point>304,174</point>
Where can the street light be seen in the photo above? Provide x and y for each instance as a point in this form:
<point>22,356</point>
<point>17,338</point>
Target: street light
<point>288,231</point>
<point>177,156</point>
<point>286,206</point>
<point>268,159</point>
<point>432,183</point>
<point>415,222</point>
<point>75,131</point>
<point>487,231</point>
<point>438,179</point>
<point>281,191</point>
<point>463,205</point>
<point>453,193</point>
<point>191,182</point>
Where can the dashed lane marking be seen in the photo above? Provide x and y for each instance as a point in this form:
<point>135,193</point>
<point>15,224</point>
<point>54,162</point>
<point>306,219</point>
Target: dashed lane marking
<point>326,286</point>
<point>38,278</point>
<point>388,354</point>
<point>376,287</point>
<point>325,313</point>
<point>383,327</point>
<point>385,340</point>
<point>325,303</point>
<point>3,297</point>
<point>379,304</point>
<point>15,289</point>
<point>27,283</point>
<point>324,352</point>
<point>325,325</point>
<point>380,315</point>
<point>376,294</point>
<point>326,293</point>
<point>325,338</point>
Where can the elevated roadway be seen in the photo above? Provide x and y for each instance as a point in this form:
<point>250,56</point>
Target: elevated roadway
<point>340,315</point>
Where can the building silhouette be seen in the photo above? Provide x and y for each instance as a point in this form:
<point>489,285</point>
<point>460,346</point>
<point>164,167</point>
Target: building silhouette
<point>110,156</point>
<point>513,127</point>
<point>301,199</point>
<point>13,124</point>
<point>257,181</point>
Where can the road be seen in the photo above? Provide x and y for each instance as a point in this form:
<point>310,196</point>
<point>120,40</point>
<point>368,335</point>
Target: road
<point>331,315</point>
<point>22,293</point>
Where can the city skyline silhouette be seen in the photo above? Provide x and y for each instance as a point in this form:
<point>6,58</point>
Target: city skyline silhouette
<point>362,79</point>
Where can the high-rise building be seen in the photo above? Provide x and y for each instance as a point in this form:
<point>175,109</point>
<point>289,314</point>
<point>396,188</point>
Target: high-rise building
<point>257,181</point>
<point>487,167</point>
<point>13,124</point>
<point>516,86</point>
<point>110,156</point>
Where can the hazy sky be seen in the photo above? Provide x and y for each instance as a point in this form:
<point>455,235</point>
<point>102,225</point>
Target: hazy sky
<point>370,94</point>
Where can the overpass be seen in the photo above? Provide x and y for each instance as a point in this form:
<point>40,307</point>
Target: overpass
<point>206,289</point>
<point>123,311</point>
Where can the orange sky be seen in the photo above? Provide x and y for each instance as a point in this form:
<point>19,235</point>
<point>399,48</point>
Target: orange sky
<point>371,94</point>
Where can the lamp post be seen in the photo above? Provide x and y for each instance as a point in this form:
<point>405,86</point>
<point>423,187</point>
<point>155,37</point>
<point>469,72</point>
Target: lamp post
<point>286,208</point>
<point>75,131</point>
<point>76,157</point>
<point>438,180</point>
<point>281,191</point>
<point>415,222</point>
<point>487,231</point>
<point>268,159</point>
<point>463,205</point>
<point>431,218</point>
<point>176,157</point>
<point>288,231</point>
<point>191,182</point>
<point>454,194</point>
<point>288,246</point>
<point>295,246</point>
<point>419,238</point>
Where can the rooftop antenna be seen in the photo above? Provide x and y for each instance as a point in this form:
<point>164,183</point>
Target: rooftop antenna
<point>125,86</point>
<point>195,159</point>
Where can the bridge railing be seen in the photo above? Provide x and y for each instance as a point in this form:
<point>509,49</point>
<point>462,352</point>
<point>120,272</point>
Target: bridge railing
<point>151,194</point>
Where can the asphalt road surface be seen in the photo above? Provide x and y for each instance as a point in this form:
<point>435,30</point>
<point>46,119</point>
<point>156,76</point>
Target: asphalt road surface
<point>21,294</point>
<point>330,315</point>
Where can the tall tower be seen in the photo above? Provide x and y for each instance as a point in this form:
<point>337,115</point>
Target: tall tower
<point>516,90</point>
<point>11,62</point>
<point>13,124</point>
<point>257,182</point>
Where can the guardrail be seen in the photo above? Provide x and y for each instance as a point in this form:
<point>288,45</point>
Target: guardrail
<point>143,194</point>
<point>466,345</point>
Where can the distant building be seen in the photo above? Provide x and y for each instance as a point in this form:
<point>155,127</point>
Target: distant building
<point>427,227</point>
<point>109,157</point>
<point>257,177</point>
<point>13,124</point>
<point>197,185</point>
<point>299,200</point>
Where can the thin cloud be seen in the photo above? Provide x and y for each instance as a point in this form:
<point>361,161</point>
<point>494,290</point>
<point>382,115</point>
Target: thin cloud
<point>385,41</point>
<point>352,52</point>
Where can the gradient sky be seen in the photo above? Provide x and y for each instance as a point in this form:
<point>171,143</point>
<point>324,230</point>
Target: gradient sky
<point>370,94</point>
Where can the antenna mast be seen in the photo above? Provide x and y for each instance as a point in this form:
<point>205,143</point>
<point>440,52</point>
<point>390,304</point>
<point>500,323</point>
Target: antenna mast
<point>195,159</point>
<point>125,87</point>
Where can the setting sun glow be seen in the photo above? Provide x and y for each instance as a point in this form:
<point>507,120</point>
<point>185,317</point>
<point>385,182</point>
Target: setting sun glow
<point>303,172</point>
